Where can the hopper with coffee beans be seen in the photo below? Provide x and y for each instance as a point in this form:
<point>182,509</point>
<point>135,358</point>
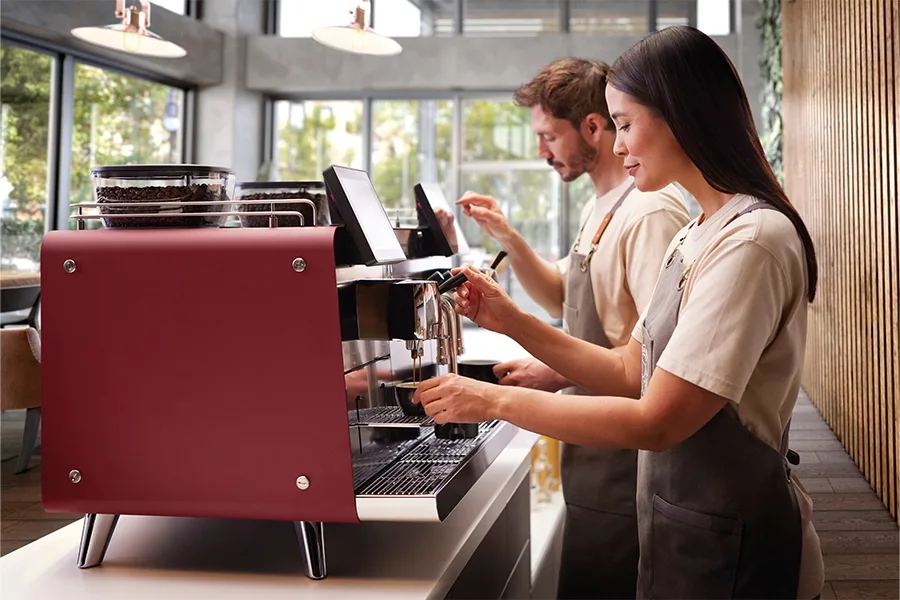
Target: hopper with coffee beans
<point>163,195</point>
<point>305,197</point>
<point>246,372</point>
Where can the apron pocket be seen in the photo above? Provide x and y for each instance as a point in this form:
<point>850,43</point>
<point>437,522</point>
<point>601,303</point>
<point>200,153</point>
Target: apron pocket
<point>693,554</point>
<point>570,316</point>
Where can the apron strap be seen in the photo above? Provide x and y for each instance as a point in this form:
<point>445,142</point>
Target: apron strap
<point>684,275</point>
<point>790,456</point>
<point>751,208</point>
<point>602,228</point>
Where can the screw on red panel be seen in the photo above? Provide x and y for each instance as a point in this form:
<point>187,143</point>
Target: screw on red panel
<point>74,476</point>
<point>69,266</point>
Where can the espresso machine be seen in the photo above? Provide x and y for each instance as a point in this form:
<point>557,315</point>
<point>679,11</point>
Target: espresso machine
<point>243,372</point>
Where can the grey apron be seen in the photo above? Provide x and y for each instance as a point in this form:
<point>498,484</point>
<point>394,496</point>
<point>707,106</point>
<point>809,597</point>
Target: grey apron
<point>717,513</point>
<point>600,536</point>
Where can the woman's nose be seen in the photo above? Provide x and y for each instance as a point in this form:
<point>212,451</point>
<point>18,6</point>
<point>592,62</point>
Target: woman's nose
<point>619,148</point>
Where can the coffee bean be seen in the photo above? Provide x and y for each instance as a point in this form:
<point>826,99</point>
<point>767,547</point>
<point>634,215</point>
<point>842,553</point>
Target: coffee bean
<point>285,220</point>
<point>195,198</point>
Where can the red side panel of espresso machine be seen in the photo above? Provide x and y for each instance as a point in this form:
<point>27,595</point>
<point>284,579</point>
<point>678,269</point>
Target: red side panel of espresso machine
<point>194,373</point>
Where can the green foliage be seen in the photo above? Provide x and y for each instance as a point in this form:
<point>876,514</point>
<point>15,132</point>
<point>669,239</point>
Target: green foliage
<point>308,144</point>
<point>117,120</point>
<point>21,237</point>
<point>401,154</point>
<point>493,130</point>
<point>496,130</point>
<point>500,131</point>
<point>25,93</point>
<point>769,24</point>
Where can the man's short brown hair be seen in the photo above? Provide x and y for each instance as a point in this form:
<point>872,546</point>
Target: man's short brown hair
<point>570,89</point>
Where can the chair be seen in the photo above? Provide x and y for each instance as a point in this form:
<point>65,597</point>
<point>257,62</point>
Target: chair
<point>21,291</point>
<point>20,383</point>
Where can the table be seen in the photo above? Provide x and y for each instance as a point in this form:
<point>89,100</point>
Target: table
<point>200,559</point>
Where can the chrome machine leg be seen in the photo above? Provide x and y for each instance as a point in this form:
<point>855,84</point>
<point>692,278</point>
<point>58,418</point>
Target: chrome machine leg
<point>312,541</point>
<point>95,536</point>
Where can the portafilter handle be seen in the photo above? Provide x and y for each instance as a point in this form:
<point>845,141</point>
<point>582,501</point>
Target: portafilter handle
<point>448,285</point>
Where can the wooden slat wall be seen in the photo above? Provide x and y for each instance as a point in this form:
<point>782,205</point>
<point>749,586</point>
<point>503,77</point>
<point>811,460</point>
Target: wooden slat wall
<point>841,108</point>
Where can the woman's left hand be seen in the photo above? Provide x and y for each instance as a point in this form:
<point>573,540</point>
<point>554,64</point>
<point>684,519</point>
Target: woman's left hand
<point>454,399</point>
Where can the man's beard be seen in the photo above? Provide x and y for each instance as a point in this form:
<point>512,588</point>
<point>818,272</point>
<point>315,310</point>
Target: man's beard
<point>582,160</point>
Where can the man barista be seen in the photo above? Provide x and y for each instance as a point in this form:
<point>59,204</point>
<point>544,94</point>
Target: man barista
<point>599,289</point>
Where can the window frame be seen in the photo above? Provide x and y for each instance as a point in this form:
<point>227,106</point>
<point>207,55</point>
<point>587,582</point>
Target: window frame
<point>62,116</point>
<point>457,165</point>
<point>565,13</point>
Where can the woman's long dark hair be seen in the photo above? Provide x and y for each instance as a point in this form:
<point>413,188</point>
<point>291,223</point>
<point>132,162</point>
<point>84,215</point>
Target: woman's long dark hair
<point>682,74</point>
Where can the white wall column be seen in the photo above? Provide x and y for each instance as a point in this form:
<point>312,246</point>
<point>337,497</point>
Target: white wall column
<point>230,121</point>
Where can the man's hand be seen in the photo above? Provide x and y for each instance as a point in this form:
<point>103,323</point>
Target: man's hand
<point>486,212</point>
<point>530,373</point>
<point>445,220</point>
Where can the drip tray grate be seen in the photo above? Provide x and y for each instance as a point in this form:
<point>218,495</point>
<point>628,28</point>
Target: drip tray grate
<point>363,472</point>
<point>377,458</point>
<point>442,451</point>
<point>386,416</point>
<point>410,479</point>
<point>425,468</point>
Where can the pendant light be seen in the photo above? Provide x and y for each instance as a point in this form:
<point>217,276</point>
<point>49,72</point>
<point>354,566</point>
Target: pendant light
<point>131,34</point>
<point>357,37</point>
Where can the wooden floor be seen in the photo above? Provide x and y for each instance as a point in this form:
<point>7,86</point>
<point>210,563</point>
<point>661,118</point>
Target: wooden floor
<point>859,538</point>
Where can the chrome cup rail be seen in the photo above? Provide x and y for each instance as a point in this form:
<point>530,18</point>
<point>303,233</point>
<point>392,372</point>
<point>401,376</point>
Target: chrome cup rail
<point>273,221</point>
<point>80,218</point>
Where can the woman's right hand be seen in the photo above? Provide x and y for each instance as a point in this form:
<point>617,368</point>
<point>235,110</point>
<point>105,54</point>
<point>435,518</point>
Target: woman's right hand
<point>482,300</point>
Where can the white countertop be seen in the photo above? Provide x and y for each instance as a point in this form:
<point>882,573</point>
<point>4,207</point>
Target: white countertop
<point>546,521</point>
<point>482,344</point>
<point>199,559</point>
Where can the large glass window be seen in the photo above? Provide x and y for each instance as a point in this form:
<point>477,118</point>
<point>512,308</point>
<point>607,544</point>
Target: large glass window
<point>176,6</point>
<point>313,135</point>
<point>714,16</point>
<point>499,158</point>
<point>530,198</point>
<point>119,120</point>
<point>298,18</point>
<point>495,19</point>
<point>609,16</point>
<point>497,130</point>
<point>399,18</point>
<point>670,13</point>
<point>412,18</point>
<point>25,120</point>
<point>411,143</point>
<point>395,18</point>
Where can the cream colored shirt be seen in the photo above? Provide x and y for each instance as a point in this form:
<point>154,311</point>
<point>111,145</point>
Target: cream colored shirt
<point>626,264</point>
<point>741,332</point>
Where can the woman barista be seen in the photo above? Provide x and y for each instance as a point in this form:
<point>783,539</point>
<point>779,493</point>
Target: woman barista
<point>715,359</point>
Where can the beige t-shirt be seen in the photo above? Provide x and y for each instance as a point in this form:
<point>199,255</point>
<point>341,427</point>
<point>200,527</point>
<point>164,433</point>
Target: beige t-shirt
<point>626,264</point>
<point>741,332</point>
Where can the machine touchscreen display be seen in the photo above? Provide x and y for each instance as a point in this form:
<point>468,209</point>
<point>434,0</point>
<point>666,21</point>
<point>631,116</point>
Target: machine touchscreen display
<point>352,191</point>
<point>429,199</point>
